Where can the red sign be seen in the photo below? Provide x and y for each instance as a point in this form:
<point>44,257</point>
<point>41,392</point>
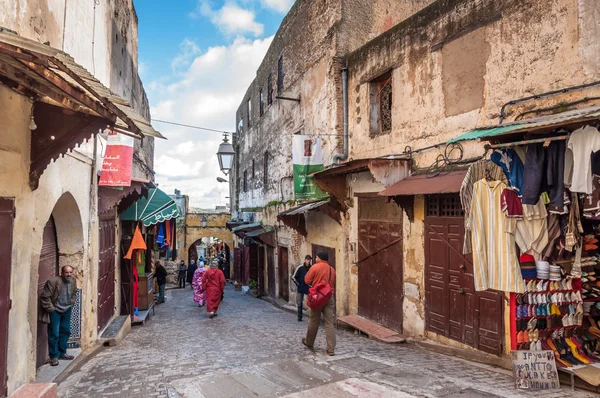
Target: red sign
<point>118,161</point>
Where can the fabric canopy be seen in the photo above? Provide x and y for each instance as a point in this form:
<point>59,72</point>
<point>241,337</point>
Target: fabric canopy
<point>423,185</point>
<point>156,208</point>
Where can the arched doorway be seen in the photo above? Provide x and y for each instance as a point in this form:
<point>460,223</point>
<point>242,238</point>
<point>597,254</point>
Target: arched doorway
<point>209,248</point>
<point>62,244</point>
<point>47,269</point>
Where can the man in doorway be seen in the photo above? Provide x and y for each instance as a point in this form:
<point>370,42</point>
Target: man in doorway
<point>57,300</point>
<point>161,279</point>
<point>322,272</point>
<point>182,275</point>
<point>302,287</point>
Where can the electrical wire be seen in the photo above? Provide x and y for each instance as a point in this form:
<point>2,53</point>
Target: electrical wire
<point>193,127</point>
<point>449,160</point>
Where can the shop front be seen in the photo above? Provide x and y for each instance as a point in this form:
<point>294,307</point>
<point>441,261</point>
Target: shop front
<point>532,216</point>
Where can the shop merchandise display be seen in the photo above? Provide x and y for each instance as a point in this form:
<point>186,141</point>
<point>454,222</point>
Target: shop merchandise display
<point>538,236</point>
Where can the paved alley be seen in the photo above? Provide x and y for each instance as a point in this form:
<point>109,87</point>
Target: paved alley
<point>253,349</point>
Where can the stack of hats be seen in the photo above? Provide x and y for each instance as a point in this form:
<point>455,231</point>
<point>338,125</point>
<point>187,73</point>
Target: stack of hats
<point>543,269</point>
<point>555,274</point>
<point>528,266</point>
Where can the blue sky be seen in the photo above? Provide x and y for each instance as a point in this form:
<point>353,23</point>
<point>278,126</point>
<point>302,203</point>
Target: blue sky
<point>196,60</point>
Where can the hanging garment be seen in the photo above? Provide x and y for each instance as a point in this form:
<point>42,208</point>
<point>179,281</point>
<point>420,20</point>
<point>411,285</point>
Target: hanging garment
<point>532,231</point>
<point>495,263</point>
<point>168,233</point>
<point>136,281</point>
<point>160,238</point>
<point>137,243</point>
<point>544,171</point>
<point>512,166</point>
<point>591,204</point>
<point>582,142</point>
<point>511,204</point>
<point>554,233</point>
<point>476,172</point>
<point>564,209</point>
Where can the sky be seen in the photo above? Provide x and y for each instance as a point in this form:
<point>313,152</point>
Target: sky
<point>196,60</point>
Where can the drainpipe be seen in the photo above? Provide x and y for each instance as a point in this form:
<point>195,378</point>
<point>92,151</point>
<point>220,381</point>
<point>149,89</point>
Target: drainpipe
<point>344,155</point>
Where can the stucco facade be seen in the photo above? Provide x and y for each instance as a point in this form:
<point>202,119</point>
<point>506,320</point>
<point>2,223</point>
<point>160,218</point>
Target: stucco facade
<point>102,38</point>
<point>307,52</point>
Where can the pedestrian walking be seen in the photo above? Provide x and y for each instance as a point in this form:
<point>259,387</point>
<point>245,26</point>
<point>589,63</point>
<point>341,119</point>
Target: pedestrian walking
<point>190,272</point>
<point>213,282</point>
<point>160,274</point>
<point>321,272</point>
<point>199,293</point>
<point>182,275</point>
<point>56,301</point>
<point>302,287</point>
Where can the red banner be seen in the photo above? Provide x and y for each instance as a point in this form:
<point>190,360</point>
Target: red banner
<point>118,161</point>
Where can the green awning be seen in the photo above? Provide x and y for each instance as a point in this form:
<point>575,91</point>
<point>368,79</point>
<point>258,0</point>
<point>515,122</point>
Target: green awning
<point>533,124</point>
<point>154,209</point>
<point>246,226</point>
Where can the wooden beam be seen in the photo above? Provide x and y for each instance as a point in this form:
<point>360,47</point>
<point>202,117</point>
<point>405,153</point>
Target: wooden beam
<point>69,90</point>
<point>16,52</point>
<point>21,78</point>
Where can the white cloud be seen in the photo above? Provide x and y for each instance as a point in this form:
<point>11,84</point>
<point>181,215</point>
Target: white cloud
<point>231,19</point>
<point>283,6</point>
<point>188,49</point>
<point>206,93</point>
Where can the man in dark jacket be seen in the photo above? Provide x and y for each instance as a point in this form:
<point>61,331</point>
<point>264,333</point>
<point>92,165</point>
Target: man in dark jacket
<point>56,301</point>
<point>190,272</point>
<point>182,275</point>
<point>160,273</point>
<point>298,279</point>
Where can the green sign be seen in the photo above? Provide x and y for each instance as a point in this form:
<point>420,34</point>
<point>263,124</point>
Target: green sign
<point>308,158</point>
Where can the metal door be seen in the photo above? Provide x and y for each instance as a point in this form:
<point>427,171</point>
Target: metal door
<point>380,280</point>
<point>6,230</point>
<point>271,271</point>
<point>47,269</point>
<point>330,253</point>
<point>284,273</point>
<point>453,308</point>
<point>106,270</point>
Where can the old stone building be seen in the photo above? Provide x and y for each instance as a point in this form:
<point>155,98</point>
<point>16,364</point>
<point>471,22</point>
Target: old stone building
<point>450,68</point>
<point>297,90</point>
<point>67,71</point>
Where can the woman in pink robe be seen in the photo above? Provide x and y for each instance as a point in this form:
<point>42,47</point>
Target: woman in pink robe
<point>213,283</point>
<point>199,293</point>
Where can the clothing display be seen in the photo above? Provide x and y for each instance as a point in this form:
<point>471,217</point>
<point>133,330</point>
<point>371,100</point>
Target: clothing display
<point>582,142</point>
<point>510,162</point>
<point>510,204</point>
<point>544,172</point>
<point>495,263</point>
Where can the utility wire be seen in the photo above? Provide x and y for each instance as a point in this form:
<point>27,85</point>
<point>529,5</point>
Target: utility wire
<point>192,127</point>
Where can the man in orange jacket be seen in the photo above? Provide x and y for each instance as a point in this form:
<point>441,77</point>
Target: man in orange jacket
<point>322,272</point>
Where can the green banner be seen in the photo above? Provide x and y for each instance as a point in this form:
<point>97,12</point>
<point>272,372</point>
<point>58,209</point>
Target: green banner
<point>308,159</point>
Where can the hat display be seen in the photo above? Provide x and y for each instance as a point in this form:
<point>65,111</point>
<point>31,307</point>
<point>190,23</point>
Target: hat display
<point>543,270</point>
<point>527,263</point>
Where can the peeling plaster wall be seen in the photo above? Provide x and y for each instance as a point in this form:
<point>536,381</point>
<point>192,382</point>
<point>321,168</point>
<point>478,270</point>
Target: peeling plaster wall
<point>454,65</point>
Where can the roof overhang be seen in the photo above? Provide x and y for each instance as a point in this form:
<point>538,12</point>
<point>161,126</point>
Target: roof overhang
<point>295,217</point>
<point>156,208</point>
<point>427,185</point>
<point>539,125</point>
<point>266,234</point>
<point>109,197</point>
<point>384,170</point>
<point>242,230</point>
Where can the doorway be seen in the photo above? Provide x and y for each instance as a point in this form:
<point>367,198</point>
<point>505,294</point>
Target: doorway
<point>47,269</point>
<point>380,279</point>
<point>106,270</point>
<point>271,271</point>
<point>284,273</point>
<point>6,232</point>
<point>452,307</point>
<point>330,253</point>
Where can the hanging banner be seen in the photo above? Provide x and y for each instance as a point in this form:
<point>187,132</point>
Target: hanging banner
<point>118,161</point>
<point>307,155</point>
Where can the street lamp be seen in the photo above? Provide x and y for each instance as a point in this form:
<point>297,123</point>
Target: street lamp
<point>225,155</point>
<point>203,221</point>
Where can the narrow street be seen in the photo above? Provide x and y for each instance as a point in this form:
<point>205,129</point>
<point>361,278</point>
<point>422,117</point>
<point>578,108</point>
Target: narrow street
<point>253,349</point>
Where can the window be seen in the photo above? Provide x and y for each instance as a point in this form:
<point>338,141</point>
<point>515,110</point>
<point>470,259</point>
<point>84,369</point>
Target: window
<point>249,112</point>
<point>280,76</point>
<point>261,103</point>
<point>266,171</point>
<point>240,126</point>
<point>253,171</point>
<point>270,89</point>
<point>245,180</point>
<point>381,105</point>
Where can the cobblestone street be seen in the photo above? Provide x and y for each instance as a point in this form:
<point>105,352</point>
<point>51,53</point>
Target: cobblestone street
<point>253,349</point>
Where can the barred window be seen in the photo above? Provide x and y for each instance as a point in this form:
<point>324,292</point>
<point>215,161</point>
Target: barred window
<point>261,103</point>
<point>266,171</point>
<point>270,89</point>
<point>245,180</point>
<point>249,112</point>
<point>280,76</point>
<point>381,104</point>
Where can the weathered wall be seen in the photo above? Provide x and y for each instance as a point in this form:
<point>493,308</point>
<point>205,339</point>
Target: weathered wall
<point>454,65</point>
<point>215,227</point>
<point>64,192</point>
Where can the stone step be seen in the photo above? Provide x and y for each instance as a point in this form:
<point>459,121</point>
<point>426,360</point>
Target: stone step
<point>372,329</point>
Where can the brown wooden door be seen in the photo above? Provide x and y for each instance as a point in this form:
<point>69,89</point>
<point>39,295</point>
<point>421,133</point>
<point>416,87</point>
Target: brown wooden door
<point>271,271</point>
<point>246,266</point>
<point>380,280</point>
<point>330,253</point>
<point>106,270</point>
<point>6,232</point>
<point>261,270</point>
<point>453,308</point>
<point>48,269</point>
<point>284,273</point>
<point>237,264</point>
